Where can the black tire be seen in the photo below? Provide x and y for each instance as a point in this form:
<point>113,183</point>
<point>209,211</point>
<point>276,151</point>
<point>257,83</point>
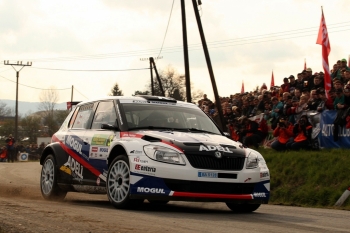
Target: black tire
<point>158,202</point>
<point>118,184</point>
<point>48,181</point>
<point>242,208</point>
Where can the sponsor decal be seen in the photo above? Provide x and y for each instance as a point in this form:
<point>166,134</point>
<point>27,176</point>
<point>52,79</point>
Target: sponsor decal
<point>104,149</point>
<point>150,190</point>
<point>136,152</point>
<point>214,148</point>
<point>94,149</point>
<point>102,139</point>
<point>73,168</point>
<point>139,167</point>
<point>208,174</point>
<point>249,179</point>
<point>259,194</point>
<point>74,143</point>
<point>264,174</point>
<point>138,160</point>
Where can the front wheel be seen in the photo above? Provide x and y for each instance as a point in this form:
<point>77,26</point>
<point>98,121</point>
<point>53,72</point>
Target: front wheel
<point>48,181</point>
<point>242,208</point>
<point>118,184</point>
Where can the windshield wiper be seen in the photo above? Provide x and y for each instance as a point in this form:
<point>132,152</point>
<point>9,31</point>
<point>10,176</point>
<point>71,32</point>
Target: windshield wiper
<point>151,127</point>
<point>200,130</point>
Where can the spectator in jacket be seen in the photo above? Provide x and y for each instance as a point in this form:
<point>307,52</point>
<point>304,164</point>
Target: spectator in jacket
<point>10,145</point>
<point>252,133</point>
<point>302,131</point>
<point>283,132</point>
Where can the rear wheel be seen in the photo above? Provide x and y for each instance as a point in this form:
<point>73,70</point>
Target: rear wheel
<point>48,181</point>
<point>118,184</point>
<point>242,208</point>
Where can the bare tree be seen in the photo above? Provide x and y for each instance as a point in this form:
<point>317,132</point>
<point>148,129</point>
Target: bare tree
<point>49,99</point>
<point>4,110</point>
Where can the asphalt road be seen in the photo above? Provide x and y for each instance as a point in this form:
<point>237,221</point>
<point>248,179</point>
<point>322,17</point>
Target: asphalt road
<point>22,209</point>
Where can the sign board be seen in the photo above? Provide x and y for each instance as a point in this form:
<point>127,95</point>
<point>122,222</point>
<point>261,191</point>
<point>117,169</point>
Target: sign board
<point>23,157</point>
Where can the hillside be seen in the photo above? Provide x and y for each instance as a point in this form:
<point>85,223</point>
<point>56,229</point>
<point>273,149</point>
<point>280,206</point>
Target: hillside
<point>29,107</point>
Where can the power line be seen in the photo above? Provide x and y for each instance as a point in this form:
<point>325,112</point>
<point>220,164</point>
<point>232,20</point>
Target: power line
<point>166,31</point>
<point>33,87</point>
<point>41,68</point>
<point>177,48</point>
<point>80,93</point>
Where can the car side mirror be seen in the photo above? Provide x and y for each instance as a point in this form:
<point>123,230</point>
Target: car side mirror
<point>110,127</point>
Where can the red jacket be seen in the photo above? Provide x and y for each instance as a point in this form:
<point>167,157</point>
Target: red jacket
<point>283,134</point>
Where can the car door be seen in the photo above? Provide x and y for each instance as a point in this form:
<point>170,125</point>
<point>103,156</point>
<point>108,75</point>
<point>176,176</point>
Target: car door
<point>100,139</point>
<point>77,165</point>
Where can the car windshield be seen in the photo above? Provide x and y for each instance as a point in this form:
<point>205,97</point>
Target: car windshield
<point>149,116</point>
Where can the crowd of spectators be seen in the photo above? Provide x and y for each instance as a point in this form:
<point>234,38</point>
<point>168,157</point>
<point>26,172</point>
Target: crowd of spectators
<point>34,151</point>
<point>284,108</point>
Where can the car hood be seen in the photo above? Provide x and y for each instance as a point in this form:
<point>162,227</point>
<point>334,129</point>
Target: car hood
<point>195,142</point>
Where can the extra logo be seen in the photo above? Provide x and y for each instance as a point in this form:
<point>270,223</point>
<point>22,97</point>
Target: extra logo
<point>150,190</point>
<point>139,167</point>
<point>214,148</point>
<point>259,194</point>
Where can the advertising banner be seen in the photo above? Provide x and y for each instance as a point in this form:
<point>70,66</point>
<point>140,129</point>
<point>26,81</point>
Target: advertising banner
<point>326,134</point>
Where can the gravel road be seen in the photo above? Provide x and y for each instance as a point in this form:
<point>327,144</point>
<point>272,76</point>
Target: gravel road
<point>22,209</point>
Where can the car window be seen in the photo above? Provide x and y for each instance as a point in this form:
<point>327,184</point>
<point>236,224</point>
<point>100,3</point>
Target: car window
<point>141,115</point>
<point>105,114</point>
<point>83,117</point>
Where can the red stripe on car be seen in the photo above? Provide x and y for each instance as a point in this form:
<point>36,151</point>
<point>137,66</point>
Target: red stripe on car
<point>211,195</point>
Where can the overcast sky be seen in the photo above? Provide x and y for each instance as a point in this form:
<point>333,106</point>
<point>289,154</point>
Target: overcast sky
<point>246,39</point>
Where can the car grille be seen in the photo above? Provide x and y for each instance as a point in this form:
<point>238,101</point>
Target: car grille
<point>209,187</point>
<point>210,162</point>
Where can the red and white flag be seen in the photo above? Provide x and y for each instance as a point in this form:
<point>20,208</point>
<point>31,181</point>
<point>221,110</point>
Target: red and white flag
<point>242,89</point>
<point>304,64</point>
<point>272,81</point>
<point>323,40</point>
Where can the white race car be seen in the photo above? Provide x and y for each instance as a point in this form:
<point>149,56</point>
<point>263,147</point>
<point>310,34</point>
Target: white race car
<point>154,148</point>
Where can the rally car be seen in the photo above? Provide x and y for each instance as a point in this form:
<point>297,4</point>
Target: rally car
<point>154,148</point>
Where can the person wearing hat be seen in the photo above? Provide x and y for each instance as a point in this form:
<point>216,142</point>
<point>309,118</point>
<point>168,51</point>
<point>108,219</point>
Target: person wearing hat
<point>292,82</point>
<point>303,131</point>
<point>10,145</point>
<point>283,132</point>
<point>343,65</point>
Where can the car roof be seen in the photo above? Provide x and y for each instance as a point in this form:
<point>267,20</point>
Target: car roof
<point>141,98</point>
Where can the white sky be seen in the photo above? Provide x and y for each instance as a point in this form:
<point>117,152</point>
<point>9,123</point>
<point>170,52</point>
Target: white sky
<point>246,39</point>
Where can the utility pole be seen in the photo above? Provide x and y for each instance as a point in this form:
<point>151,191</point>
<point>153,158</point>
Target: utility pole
<point>151,62</point>
<point>159,81</point>
<point>185,47</point>
<point>210,68</point>
<point>19,63</point>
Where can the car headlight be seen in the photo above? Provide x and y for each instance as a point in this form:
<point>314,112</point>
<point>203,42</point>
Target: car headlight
<point>163,154</point>
<point>252,161</point>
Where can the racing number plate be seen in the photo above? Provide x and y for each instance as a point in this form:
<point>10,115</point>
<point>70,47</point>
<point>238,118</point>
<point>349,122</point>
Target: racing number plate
<point>208,174</point>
